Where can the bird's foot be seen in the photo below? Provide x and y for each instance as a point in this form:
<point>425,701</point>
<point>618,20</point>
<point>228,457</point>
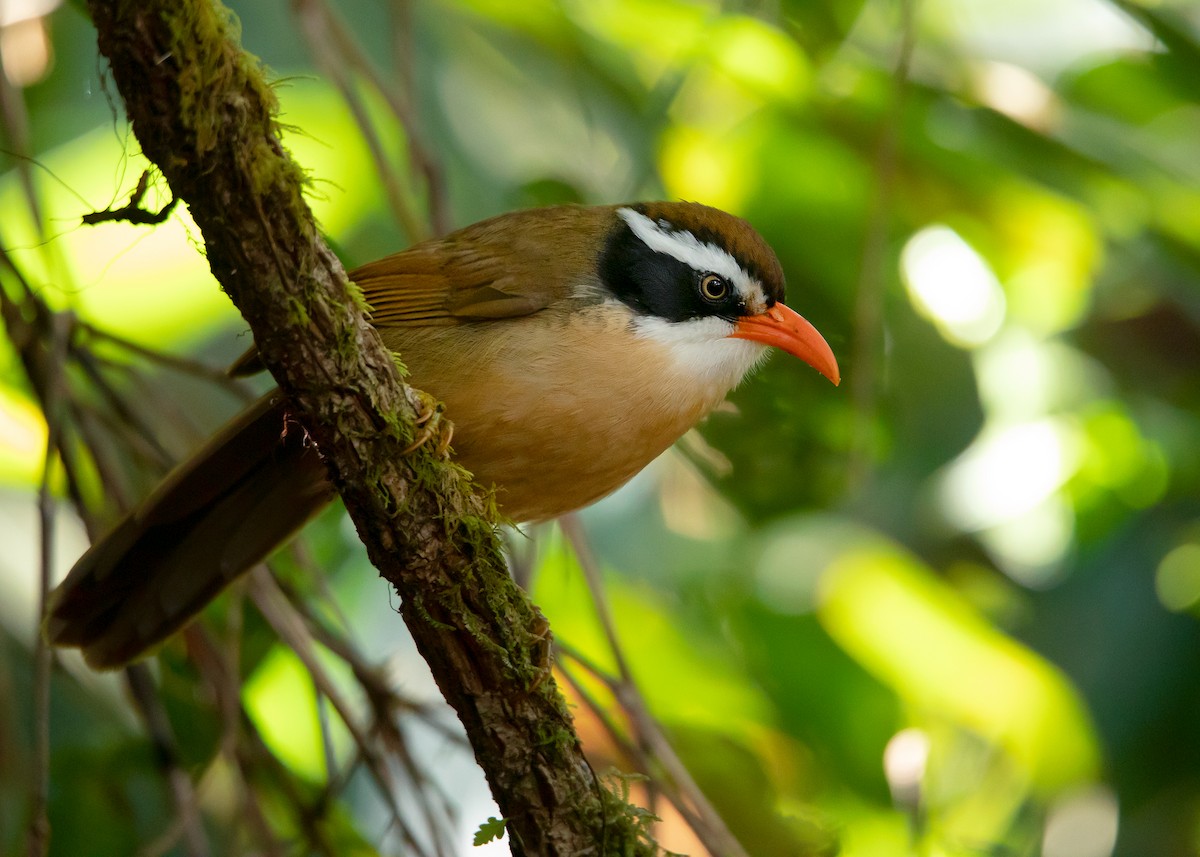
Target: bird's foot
<point>430,424</point>
<point>429,408</point>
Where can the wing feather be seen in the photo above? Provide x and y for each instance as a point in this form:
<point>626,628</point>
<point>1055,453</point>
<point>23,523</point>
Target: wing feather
<point>480,273</point>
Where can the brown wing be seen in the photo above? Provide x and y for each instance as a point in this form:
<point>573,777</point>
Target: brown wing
<point>440,285</point>
<point>486,271</point>
<point>480,273</point>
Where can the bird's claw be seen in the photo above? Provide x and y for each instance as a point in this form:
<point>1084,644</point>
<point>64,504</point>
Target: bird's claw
<point>431,424</point>
<point>447,434</point>
<point>429,409</point>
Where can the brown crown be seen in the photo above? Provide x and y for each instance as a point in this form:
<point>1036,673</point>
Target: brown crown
<point>732,234</point>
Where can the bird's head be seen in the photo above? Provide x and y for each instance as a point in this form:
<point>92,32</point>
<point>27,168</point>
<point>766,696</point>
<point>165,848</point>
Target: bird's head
<point>706,285</point>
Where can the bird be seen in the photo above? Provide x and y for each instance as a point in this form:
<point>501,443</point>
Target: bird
<point>570,346</point>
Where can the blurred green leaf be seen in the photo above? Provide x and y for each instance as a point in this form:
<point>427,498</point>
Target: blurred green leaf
<point>784,649</point>
<point>490,830</point>
<point>912,632</point>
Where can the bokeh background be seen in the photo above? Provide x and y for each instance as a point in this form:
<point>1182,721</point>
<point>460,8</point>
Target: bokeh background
<point>948,608</point>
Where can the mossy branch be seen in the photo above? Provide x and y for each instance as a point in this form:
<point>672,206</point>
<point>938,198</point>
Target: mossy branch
<point>204,115</point>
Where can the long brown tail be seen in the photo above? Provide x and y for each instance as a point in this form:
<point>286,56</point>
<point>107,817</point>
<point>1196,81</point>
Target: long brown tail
<point>213,518</point>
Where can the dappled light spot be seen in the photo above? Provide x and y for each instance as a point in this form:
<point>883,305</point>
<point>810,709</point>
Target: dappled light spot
<point>1030,547</point>
<point>1082,825</point>
<point>952,286</point>
<point>761,58</point>
<point>1006,486</point>
<point>1018,94</point>
<point>797,553</point>
<point>904,762</point>
<point>915,634</point>
<point>280,700</point>
<point>697,165</point>
<point>26,54</point>
<point>1022,376</point>
<point>1177,580</point>
<point>1008,472</point>
<point>22,438</point>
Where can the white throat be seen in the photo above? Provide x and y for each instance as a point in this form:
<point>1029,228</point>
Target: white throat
<point>701,352</point>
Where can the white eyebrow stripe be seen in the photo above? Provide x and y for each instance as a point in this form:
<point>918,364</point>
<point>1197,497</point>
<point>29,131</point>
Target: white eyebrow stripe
<point>684,246</point>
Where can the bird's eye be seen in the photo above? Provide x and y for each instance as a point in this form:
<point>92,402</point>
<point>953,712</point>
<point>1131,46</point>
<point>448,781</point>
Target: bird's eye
<point>713,288</point>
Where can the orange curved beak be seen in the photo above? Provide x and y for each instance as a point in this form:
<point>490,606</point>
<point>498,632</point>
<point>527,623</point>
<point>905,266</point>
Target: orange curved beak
<point>785,328</point>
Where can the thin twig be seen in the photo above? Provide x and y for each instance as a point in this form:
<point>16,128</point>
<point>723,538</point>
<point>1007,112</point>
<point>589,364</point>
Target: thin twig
<point>69,458</point>
<point>158,727</point>
<point>254,755</point>
<point>16,131</point>
<point>401,100</point>
<point>123,410</point>
<point>25,322</point>
<point>244,746</point>
<point>706,821</point>
<point>54,392</point>
<point>183,365</point>
<point>575,534</point>
<point>292,631</point>
<point>217,667</point>
<point>868,308</point>
<point>383,699</point>
<point>93,426</point>
<point>638,756</point>
<point>321,29</point>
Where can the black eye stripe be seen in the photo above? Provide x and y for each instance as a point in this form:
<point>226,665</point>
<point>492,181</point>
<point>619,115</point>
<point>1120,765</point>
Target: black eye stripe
<point>656,283</point>
<point>732,236</point>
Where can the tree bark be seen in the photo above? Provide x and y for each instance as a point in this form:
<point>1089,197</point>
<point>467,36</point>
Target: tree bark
<point>203,114</point>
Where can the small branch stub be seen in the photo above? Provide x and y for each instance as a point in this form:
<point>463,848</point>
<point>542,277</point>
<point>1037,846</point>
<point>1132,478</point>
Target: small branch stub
<point>132,212</point>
